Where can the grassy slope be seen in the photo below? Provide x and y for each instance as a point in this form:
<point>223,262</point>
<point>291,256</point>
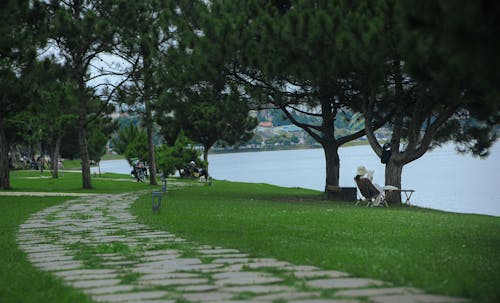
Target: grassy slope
<point>441,252</point>
<point>19,281</point>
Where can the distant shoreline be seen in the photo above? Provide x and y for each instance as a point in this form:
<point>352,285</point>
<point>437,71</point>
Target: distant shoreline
<point>256,149</point>
<point>277,148</point>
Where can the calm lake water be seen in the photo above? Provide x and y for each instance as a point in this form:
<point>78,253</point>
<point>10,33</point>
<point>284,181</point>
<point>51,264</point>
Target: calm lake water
<point>442,179</point>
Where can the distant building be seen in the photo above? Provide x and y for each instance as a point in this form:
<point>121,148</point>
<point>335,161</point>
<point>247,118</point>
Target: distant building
<point>266,124</point>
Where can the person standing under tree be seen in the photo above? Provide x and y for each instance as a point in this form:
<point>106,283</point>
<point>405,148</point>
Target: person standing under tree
<point>60,168</point>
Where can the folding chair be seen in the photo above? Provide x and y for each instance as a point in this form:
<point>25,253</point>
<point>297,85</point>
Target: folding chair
<point>372,195</point>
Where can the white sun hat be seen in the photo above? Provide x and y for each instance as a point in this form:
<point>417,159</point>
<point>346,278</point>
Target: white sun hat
<point>361,171</point>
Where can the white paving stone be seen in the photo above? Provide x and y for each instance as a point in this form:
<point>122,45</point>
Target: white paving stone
<point>79,272</point>
<point>226,256</point>
<point>208,296</point>
<point>95,283</point>
<point>173,275</point>
<point>323,301</point>
<point>170,282</point>
<point>343,283</point>
<point>162,252</point>
<point>218,251</point>
<point>91,277</point>
<point>377,291</point>
<point>259,289</point>
<point>288,296</point>
<point>417,298</point>
<point>160,257</point>
<point>59,265</point>
<point>126,297</point>
<point>109,290</point>
<point>232,260</point>
<point>244,278</point>
<point>320,273</point>
<point>197,288</point>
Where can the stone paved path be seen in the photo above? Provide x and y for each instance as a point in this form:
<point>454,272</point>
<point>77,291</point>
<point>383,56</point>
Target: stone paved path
<point>94,244</point>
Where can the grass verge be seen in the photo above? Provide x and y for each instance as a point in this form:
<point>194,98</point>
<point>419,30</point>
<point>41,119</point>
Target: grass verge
<point>19,280</point>
<point>440,252</point>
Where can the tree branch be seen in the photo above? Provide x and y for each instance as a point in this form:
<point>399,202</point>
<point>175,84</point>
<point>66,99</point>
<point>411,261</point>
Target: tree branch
<point>306,127</point>
<point>429,134</point>
<point>304,112</point>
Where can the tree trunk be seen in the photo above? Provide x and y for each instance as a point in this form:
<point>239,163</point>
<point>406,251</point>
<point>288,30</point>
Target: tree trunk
<point>82,138</point>
<point>205,153</point>
<point>152,160</point>
<point>4,159</point>
<point>393,171</point>
<point>55,157</point>
<point>205,157</point>
<point>148,119</point>
<point>332,165</point>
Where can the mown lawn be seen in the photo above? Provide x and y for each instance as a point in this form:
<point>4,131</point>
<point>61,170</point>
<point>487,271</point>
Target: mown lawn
<point>33,181</point>
<point>443,253</point>
<point>19,280</point>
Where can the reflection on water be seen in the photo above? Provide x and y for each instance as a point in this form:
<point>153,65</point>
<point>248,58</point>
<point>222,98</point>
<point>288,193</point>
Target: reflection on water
<point>442,179</point>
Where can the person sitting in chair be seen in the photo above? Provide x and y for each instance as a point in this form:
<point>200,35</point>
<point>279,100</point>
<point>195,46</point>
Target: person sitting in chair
<point>372,194</point>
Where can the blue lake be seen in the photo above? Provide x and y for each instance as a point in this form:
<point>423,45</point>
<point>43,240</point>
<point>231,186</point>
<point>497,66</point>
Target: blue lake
<point>442,179</point>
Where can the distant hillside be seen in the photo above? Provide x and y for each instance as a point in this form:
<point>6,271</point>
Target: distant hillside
<point>345,120</point>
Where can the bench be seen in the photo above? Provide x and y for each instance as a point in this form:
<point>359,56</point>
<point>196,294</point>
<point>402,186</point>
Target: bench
<point>339,193</point>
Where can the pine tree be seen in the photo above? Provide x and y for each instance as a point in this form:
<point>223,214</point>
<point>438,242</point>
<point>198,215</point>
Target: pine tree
<point>21,32</point>
<point>81,32</point>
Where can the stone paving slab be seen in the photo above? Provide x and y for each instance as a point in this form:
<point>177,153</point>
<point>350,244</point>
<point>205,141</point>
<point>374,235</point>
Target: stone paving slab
<point>71,273</point>
<point>132,296</point>
<point>226,256</point>
<point>172,275</point>
<point>343,283</point>
<point>377,291</point>
<point>109,290</point>
<point>218,251</point>
<point>289,296</point>
<point>197,288</point>
<point>261,289</point>
<point>248,280</point>
<point>420,298</point>
<point>171,282</point>
<point>58,265</point>
<point>320,273</point>
<point>95,283</point>
<point>52,239</point>
<point>324,301</point>
<point>91,277</point>
<point>207,296</point>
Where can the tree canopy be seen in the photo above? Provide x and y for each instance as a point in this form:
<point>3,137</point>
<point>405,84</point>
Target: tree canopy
<point>199,67</point>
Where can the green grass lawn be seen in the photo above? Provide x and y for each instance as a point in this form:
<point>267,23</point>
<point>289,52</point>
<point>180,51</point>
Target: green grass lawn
<point>444,253</point>
<point>19,280</point>
<point>30,180</point>
<point>440,252</point>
